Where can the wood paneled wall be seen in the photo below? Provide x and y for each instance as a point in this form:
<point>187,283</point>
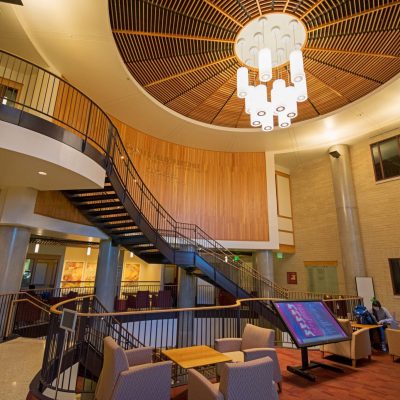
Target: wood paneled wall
<point>53,204</point>
<point>224,193</point>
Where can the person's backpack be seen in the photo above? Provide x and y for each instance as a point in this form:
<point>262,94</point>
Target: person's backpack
<point>364,316</point>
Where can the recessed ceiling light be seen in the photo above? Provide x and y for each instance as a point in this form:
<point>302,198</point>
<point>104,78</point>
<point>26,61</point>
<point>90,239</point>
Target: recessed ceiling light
<point>42,173</point>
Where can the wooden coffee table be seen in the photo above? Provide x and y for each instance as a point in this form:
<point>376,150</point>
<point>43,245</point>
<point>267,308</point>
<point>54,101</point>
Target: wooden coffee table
<point>195,356</point>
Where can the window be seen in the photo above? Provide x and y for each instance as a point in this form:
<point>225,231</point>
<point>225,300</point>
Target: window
<point>394,264</point>
<point>386,158</point>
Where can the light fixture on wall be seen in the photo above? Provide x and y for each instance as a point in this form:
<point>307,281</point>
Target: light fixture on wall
<point>131,255</point>
<point>37,247</point>
<point>264,43</point>
<point>89,251</point>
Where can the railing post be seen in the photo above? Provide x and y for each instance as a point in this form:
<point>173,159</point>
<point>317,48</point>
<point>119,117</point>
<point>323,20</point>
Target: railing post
<point>126,181</point>
<point>110,143</point>
<point>87,128</point>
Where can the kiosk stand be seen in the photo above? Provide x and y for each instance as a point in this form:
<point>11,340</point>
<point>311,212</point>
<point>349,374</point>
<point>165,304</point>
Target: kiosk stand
<point>309,323</point>
<point>307,365</point>
<point>67,323</point>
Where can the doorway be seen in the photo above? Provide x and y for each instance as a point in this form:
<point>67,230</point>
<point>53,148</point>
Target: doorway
<point>40,271</point>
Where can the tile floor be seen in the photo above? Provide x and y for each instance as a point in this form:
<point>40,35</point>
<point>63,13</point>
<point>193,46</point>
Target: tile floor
<point>20,360</point>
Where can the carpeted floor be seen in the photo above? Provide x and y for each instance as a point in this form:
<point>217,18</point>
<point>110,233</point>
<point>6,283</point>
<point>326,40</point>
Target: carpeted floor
<point>375,379</point>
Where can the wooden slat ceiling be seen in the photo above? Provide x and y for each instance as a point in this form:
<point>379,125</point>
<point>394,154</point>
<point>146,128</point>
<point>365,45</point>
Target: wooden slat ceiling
<point>182,51</point>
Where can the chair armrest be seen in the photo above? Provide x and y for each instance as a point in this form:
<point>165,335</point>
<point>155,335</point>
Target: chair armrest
<point>141,355</point>
<point>147,381</point>
<point>360,344</point>
<point>227,344</point>
<point>200,388</point>
<point>253,354</point>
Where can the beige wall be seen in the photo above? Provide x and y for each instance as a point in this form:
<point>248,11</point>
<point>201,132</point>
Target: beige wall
<point>315,225</point>
<point>314,221</point>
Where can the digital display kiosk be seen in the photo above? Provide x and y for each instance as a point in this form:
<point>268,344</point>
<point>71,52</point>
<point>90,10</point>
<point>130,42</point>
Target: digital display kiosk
<point>310,323</point>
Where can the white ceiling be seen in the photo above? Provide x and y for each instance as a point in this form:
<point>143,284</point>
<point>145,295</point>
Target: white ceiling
<point>75,39</point>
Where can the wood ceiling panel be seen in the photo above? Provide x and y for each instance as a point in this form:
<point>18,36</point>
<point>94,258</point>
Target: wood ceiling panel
<point>182,52</point>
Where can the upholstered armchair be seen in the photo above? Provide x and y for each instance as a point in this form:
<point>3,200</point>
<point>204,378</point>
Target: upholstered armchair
<point>242,380</point>
<point>255,343</point>
<point>130,375</point>
<point>358,347</point>
<point>393,339</point>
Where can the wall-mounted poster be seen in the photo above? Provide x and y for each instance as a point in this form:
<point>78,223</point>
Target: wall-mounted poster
<point>73,270</point>
<point>292,278</point>
<point>131,272</point>
<point>89,273</point>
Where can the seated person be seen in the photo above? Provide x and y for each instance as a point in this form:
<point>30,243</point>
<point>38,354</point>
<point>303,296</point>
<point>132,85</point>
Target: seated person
<point>384,318</point>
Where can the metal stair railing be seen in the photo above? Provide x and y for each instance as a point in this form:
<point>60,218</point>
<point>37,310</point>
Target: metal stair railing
<point>52,98</point>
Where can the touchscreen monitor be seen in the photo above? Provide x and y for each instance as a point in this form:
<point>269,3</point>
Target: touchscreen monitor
<point>310,322</point>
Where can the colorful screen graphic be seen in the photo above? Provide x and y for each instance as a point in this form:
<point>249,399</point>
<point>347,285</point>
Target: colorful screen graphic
<point>310,323</point>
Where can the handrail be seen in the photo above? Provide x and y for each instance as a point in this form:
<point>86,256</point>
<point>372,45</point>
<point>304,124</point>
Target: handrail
<point>54,309</point>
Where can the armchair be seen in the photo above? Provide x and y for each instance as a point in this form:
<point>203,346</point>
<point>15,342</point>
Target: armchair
<point>130,375</point>
<point>244,380</point>
<point>255,343</point>
<point>358,347</point>
<point>393,339</point>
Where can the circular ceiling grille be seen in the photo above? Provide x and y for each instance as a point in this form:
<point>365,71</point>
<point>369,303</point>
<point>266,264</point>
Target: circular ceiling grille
<point>182,52</point>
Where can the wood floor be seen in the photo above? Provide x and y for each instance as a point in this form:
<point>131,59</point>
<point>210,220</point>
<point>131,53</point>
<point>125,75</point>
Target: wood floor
<point>375,379</point>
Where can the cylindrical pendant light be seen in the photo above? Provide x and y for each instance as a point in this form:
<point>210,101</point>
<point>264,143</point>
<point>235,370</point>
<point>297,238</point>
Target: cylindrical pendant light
<point>255,120</point>
<point>296,66</point>
<point>249,100</point>
<point>260,100</point>
<point>37,246</point>
<point>278,97</point>
<point>291,110</point>
<point>301,91</point>
<point>242,76</point>
<point>283,120</point>
<point>267,123</point>
<point>265,64</point>
<point>89,251</point>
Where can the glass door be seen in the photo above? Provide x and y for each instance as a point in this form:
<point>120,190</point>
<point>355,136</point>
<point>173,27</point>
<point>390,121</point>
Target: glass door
<point>39,271</point>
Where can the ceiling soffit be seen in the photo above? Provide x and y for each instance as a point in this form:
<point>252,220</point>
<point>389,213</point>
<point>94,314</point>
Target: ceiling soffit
<point>182,52</point>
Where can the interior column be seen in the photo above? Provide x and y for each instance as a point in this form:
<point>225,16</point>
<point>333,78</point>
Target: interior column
<point>186,299</point>
<point>347,217</point>
<point>263,261</point>
<point>14,242</point>
<point>106,273</point>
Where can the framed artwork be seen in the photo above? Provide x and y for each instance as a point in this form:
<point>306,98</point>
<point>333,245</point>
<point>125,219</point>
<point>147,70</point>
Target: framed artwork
<point>89,273</point>
<point>73,270</point>
<point>131,272</point>
<point>292,278</point>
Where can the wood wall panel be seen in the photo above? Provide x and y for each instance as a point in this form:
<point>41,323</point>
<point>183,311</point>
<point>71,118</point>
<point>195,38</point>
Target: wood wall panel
<point>53,204</point>
<point>224,193</point>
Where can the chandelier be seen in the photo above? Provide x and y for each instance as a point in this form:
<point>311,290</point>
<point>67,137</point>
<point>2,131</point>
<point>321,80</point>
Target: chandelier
<point>268,42</point>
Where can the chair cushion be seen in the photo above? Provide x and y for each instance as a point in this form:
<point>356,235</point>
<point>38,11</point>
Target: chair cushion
<point>256,337</point>
<point>236,356</point>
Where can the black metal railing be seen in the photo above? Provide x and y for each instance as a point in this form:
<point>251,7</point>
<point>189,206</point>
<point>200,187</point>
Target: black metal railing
<point>23,314</point>
<point>39,92</point>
